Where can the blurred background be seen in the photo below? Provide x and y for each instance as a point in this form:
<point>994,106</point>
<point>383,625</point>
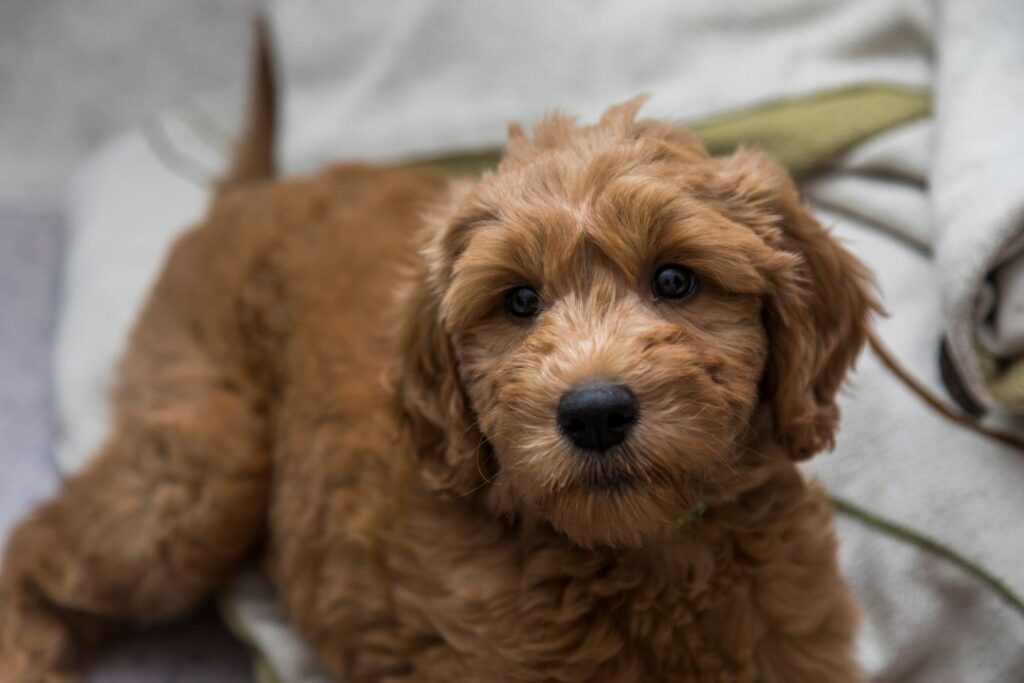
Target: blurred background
<point>903,121</point>
<point>75,72</point>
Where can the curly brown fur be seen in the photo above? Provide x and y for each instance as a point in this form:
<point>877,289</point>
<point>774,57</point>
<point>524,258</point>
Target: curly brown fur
<point>424,518</point>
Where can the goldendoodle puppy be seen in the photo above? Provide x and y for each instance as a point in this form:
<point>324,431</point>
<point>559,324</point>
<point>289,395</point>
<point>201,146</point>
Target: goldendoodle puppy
<point>552,441</point>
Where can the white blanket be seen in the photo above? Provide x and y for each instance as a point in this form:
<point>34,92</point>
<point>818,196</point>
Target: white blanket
<point>418,77</point>
<point>410,77</point>
<point>977,182</point>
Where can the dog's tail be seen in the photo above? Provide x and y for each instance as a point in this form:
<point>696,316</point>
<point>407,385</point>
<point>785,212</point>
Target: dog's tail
<point>253,158</point>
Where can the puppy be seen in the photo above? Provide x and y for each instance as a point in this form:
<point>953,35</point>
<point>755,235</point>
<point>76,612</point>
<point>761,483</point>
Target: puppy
<point>545,433</point>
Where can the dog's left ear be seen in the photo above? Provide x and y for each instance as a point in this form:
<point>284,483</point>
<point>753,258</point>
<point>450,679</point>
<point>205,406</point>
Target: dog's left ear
<point>448,448</point>
<point>817,314</point>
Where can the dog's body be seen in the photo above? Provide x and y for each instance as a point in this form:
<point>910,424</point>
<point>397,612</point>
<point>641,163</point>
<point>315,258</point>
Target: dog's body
<point>273,389</point>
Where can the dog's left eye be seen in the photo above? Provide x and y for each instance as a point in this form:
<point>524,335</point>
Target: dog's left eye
<point>522,302</point>
<point>673,281</point>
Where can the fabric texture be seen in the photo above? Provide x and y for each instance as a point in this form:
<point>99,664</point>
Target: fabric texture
<point>431,77</point>
<point>978,192</point>
<point>129,201</point>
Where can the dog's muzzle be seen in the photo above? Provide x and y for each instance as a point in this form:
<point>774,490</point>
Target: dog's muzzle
<point>597,416</point>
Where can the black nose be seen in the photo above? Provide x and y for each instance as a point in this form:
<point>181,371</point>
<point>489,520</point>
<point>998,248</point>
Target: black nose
<point>597,416</point>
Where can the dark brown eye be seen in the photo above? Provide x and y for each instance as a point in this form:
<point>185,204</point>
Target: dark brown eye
<point>522,302</point>
<point>674,282</point>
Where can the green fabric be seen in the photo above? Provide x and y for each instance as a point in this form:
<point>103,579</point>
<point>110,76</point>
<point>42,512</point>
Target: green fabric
<point>805,134</point>
<point>1005,378</point>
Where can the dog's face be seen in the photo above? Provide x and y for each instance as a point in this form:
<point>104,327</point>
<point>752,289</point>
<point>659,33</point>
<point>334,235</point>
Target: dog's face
<point>605,316</point>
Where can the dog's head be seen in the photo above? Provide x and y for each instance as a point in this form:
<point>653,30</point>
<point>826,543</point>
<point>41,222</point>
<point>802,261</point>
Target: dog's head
<point>601,325</point>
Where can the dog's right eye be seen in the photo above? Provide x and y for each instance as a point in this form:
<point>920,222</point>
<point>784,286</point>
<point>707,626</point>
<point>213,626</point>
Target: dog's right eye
<point>674,282</point>
<point>522,302</point>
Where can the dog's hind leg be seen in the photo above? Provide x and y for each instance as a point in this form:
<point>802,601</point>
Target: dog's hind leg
<point>144,533</point>
<point>158,519</point>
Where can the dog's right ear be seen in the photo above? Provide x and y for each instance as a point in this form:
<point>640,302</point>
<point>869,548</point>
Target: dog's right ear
<point>448,447</point>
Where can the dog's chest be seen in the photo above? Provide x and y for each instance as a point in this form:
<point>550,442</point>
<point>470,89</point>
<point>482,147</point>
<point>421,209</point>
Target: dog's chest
<point>565,616</point>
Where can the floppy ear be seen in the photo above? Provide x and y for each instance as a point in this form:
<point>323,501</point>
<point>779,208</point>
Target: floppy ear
<point>448,447</point>
<point>817,314</point>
